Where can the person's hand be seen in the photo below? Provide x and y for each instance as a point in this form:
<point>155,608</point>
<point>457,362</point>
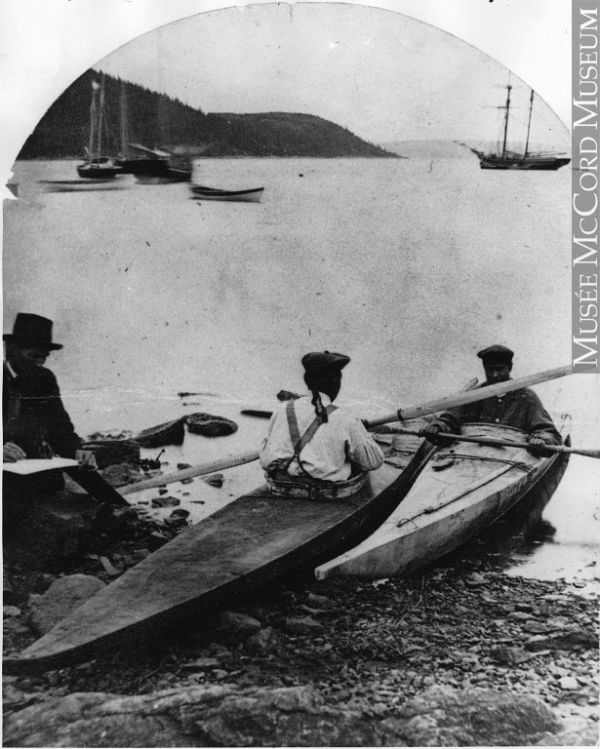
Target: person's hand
<point>86,459</point>
<point>538,447</point>
<point>12,452</point>
<point>432,433</point>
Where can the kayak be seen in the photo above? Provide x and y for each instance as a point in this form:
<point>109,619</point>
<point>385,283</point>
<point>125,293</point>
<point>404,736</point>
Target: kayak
<point>464,488</point>
<point>252,195</point>
<point>252,542</point>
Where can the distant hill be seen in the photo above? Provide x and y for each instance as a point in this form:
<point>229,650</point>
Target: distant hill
<point>156,121</point>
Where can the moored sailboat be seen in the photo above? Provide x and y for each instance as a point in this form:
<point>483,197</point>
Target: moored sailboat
<point>98,165</point>
<point>505,158</point>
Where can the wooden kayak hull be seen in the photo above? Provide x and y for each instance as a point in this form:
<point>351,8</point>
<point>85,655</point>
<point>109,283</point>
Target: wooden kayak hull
<point>250,543</point>
<point>455,498</point>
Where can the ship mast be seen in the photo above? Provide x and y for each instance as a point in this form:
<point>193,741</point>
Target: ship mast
<point>124,121</point>
<point>101,116</point>
<point>93,117</point>
<point>507,106</point>
<point>529,123</point>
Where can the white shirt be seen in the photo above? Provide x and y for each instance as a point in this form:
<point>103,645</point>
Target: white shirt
<point>337,444</point>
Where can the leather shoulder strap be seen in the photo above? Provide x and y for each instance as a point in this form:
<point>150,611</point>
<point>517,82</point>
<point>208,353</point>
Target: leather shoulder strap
<point>300,442</point>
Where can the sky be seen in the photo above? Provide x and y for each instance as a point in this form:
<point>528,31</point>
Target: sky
<point>298,56</point>
<point>382,75</point>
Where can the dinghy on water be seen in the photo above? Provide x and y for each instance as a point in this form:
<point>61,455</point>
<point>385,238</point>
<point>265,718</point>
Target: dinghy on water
<point>463,489</point>
<point>240,196</point>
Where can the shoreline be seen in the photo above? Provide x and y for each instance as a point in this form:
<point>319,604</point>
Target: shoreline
<point>366,649</point>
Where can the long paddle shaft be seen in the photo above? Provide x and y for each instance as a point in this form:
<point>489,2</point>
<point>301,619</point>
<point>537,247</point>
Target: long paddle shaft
<point>494,442</point>
<point>472,396</point>
<point>190,473</point>
<point>408,413</point>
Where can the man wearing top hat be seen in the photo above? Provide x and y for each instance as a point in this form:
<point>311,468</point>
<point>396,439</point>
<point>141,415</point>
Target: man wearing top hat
<point>35,422</point>
<point>521,409</point>
<point>334,442</point>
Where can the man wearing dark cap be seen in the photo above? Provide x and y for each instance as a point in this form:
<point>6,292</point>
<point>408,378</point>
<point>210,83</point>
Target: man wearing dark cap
<point>310,438</point>
<point>521,409</point>
<point>35,422</point>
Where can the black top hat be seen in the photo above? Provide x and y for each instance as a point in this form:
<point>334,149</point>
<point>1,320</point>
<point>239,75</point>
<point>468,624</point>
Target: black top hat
<point>32,330</point>
<point>323,362</point>
<point>496,355</point>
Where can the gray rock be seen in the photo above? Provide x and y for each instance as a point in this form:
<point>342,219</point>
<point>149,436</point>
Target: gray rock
<point>62,597</point>
<point>567,639</point>
<point>520,616</point>
<point>167,501</point>
<point>441,716</point>
<point>216,480</point>
<point>121,474</point>
<point>209,425</point>
<point>318,601</point>
<point>215,715</point>
<point>304,625</point>
<point>199,663</point>
<point>238,625</point>
<point>261,642</point>
<point>568,682</point>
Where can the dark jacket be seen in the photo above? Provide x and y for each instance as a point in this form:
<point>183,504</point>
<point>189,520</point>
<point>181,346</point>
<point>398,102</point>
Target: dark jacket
<point>34,416</point>
<point>521,409</point>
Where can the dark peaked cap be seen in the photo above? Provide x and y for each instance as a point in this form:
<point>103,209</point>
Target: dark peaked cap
<point>496,355</point>
<point>32,330</point>
<point>324,362</point>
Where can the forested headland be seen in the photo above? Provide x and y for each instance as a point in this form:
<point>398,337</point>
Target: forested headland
<point>158,121</point>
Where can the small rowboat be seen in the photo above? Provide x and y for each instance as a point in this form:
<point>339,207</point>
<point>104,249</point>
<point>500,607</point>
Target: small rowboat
<point>80,185</point>
<point>169,433</point>
<point>212,193</point>
<point>100,168</point>
<point>250,543</point>
<point>463,489</point>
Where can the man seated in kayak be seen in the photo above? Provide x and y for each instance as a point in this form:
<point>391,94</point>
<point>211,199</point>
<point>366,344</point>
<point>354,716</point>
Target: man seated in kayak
<point>311,439</point>
<point>521,409</point>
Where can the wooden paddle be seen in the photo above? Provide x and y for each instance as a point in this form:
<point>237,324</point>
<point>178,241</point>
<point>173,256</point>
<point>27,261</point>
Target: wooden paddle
<point>431,407</point>
<point>495,442</point>
<point>190,473</point>
<point>472,396</point>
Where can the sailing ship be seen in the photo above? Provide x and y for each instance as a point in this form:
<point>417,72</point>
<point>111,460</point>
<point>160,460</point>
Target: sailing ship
<point>98,165</point>
<point>508,159</point>
<point>149,165</point>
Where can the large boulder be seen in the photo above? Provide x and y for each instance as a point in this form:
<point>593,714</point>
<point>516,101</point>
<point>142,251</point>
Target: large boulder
<point>193,716</point>
<point>442,716</point>
<point>110,452</point>
<point>209,425</point>
<point>226,715</point>
<point>61,598</point>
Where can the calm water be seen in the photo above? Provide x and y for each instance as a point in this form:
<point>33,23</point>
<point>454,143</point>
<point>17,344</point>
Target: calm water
<point>408,266</point>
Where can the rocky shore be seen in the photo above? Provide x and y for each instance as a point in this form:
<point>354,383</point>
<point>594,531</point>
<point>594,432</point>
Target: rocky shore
<point>460,654</point>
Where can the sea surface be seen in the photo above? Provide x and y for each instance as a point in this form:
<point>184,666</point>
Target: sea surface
<point>409,266</point>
